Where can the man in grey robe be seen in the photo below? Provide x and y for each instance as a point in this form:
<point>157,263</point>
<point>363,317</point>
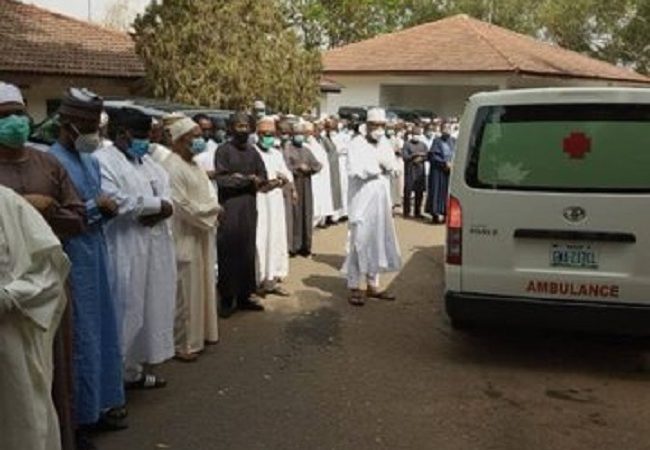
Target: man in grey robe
<point>303,164</point>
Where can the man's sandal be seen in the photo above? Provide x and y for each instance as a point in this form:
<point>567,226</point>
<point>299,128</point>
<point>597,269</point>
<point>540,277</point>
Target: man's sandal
<point>381,295</point>
<point>146,382</point>
<point>356,298</point>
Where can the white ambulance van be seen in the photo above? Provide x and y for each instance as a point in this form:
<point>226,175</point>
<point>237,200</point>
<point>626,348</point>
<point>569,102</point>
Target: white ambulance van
<point>549,211</point>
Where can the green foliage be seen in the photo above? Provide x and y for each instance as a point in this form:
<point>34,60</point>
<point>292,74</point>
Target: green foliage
<point>226,53</point>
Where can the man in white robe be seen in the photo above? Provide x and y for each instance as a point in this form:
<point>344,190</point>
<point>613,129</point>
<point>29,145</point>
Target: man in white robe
<point>271,234</point>
<point>142,283</point>
<point>372,242</point>
<point>321,181</point>
<point>342,141</point>
<point>194,227</point>
<point>33,270</point>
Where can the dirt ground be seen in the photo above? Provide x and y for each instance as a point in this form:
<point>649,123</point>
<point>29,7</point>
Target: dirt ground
<point>315,373</point>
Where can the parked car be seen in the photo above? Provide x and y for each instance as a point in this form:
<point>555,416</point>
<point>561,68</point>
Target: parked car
<point>548,211</point>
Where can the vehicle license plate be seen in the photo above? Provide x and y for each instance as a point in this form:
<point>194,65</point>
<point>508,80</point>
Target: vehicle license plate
<point>581,256</point>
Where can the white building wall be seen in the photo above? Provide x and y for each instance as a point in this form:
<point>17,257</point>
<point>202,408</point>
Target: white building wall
<point>444,94</point>
<point>37,89</point>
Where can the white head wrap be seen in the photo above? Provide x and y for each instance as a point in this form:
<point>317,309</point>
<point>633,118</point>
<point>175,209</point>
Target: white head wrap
<point>10,94</point>
<point>181,127</point>
<point>103,119</point>
<point>377,115</point>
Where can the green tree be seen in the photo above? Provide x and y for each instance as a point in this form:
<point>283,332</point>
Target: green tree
<point>226,53</point>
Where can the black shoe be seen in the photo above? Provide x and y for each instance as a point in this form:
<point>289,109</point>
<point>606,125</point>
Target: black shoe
<point>110,422</point>
<point>225,309</point>
<point>83,442</point>
<point>251,305</point>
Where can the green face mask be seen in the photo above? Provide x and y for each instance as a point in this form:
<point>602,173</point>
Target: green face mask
<point>267,142</point>
<point>14,131</point>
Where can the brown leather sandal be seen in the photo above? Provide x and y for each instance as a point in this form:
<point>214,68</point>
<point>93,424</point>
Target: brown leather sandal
<point>356,298</point>
<point>381,295</point>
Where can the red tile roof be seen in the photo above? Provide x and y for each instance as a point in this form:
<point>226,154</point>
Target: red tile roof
<point>463,44</point>
<point>36,40</point>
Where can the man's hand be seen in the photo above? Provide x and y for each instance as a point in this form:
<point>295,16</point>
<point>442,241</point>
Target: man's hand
<point>107,205</point>
<point>304,168</point>
<point>41,202</point>
<point>166,209</point>
<point>283,180</point>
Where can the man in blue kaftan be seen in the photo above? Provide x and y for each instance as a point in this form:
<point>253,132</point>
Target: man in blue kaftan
<point>98,381</point>
<point>440,159</point>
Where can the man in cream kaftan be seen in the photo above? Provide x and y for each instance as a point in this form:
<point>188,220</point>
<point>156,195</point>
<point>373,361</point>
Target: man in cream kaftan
<point>33,269</point>
<point>195,219</point>
<point>372,241</point>
<point>321,181</point>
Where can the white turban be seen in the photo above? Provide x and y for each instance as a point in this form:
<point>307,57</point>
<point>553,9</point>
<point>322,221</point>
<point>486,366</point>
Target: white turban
<point>377,115</point>
<point>10,94</point>
<point>181,127</point>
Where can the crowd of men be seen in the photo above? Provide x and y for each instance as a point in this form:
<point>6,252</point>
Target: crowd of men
<point>122,243</point>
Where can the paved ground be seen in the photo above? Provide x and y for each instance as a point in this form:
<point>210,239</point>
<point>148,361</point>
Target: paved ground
<point>314,373</point>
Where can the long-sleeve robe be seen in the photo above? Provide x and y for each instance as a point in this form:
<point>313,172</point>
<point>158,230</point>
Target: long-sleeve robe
<point>372,242</point>
<point>335,173</point>
<point>321,182</point>
<point>156,341</point>
<point>441,154</point>
<point>342,141</point>
<point>98,378</point>
<point>41,173</point>
<point>272,245</point>
<point>193,224</point>
<point>33,269</point>
<point>237,232</point>
<point>130,254</point>
<point>415,177</point>
<point>302,216</point>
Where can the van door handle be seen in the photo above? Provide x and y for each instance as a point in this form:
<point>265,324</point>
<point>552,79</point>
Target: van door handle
<point>566,235</point>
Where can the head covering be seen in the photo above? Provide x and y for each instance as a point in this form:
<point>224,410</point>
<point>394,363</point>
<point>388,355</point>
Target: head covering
<point>131,119</point>
<point>259,104</point>
<point>181,127</point>
<point>10,94</point>
<point>309,127</point>
<point>376,115</point>
<point>169,119</point>
<point>300,127</point>
<point>82,104</point>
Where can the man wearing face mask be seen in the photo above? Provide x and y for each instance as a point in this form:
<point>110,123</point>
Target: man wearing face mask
<point>206,159</point>
<point>303,164</point>
<point>194,225</point>
<point>240,174</point>
<point>272,250</point>
<point>98,361</point>
<point>145,298</point>
<point>440,158</point>
<point>43,182</point>
<point>372,241</point>
<point>414,155</point>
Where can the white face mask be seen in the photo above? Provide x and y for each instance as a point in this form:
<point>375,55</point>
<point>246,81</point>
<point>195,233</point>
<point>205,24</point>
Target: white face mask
<point>86,143</point>
<point>378,133</point>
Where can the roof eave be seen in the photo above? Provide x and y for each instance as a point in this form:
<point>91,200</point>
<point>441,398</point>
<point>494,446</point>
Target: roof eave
<point>483,72</point>
<point>72,73</point>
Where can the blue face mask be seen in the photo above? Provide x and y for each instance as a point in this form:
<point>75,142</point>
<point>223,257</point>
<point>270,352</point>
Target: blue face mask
<point>298,140</point>
<point>198,145</point>
<point>220,136</point>
<point>139,148</point>
<point>14,131</point>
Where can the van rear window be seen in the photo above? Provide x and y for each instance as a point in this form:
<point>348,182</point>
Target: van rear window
<point>583,148</point>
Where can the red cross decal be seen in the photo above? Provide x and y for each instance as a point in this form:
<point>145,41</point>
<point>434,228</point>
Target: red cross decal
<point>577,145</point>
